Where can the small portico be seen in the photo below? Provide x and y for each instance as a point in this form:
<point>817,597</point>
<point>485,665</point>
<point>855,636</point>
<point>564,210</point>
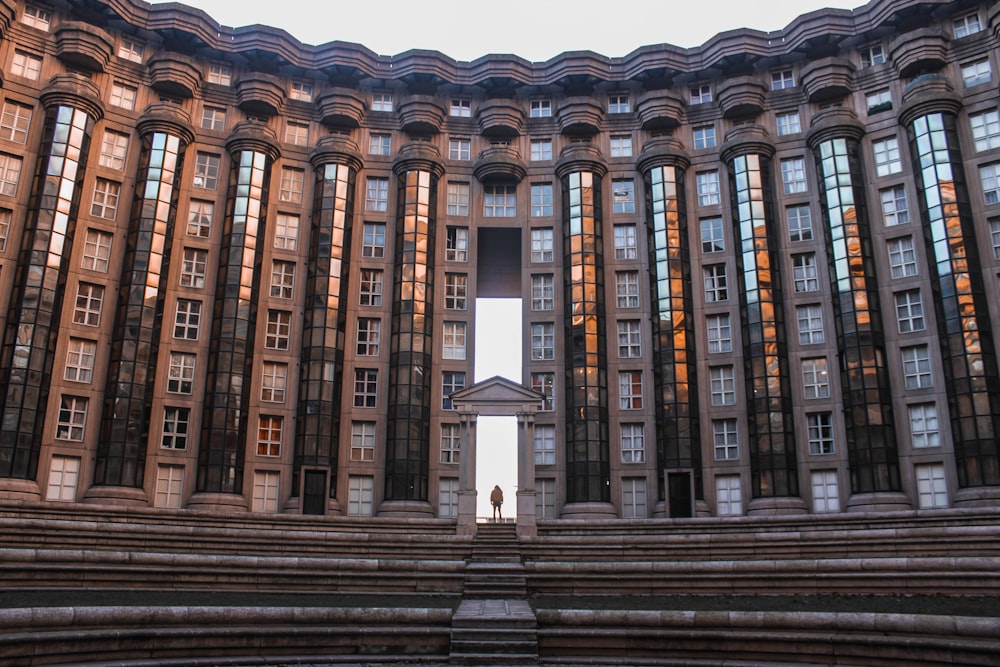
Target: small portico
<point>497,397</point>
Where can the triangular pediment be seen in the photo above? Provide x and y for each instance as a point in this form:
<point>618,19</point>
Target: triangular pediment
<point>497,396</point>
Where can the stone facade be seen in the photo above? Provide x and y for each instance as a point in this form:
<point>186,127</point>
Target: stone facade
<point>758,276</point>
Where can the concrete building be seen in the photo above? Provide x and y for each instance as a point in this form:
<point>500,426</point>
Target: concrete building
<point>758,276</point>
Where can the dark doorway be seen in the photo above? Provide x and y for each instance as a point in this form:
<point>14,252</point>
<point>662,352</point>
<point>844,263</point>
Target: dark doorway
<point>679,489</point>
<point>499,263</point>
<point>314,492</point>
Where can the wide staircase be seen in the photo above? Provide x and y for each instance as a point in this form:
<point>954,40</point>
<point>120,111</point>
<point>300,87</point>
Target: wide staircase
<point>494,624</point>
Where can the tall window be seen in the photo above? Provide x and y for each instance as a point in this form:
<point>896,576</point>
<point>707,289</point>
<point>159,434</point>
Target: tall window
<point>459,149</point>
<point>362,441</point>
<point>700,93</point>
<point>541,199</point>
<point>268,436</point>
<point>458,199</point>
<point>633,442</point>
<point>634,498</point>
<point>788,123</point>
<point>621,145</point>
<point>381,101</point>
<point>194,264</point>
<point>887,160</point>
<point>96,250</point>
<point>985,129</point>
<point>793,175</point>
<point>872,55</point>
<point>545,444</point>
<point>629,339</point>
<point>277,333</point>
<point>917,367</point>
<point>123,96</point>
<point>369,336</point>
<point>206,171</point>
<point>36,17</point>
<point>720,335</point>
<point>457,247</point>
<point>618,103</point>
<point>894,208</point>
<point>989,177</point>
<point>815,378</point>
<point>967,25</point>
<point>169,486</point>
<point>297,133</point>
<point>80,354</point>
<point>220,75</point>
<point>451,381</point>
<point>932,487</point>
<point>461,107</point>
<point>26,65</point>
<point>994,234</point>
<point>180,373</point>
<point>713,236</point>
<point>902,257</point>
<point>187,319</point>
<point>623,195</point>
<point>448,497</point>
<point>200,214</point>
<point>541,149</point>
<point>726,439</point>
<point>542,292</point>
<point>377,194</point>
<point>365,387</point>
<point>716,284</point>
<point>10,174</point>
<point>370,293</point>
<point>373,240</point>
<point>282,279</point>
<point>274,380</point>
<point>805,272</point>
<point>15,120</point>
<point>105,201</point>
<point>819,428</point>
<point>810,319</point>
<point>176,426</point>
<point>541,108</point>
<point>499,201</point>
<point>64,476</point>
<point>72,420</point>
<point>379,143</point>
<point>782,79</point>
<point>286,231</point>
<point>825,491</point>
<point>89,298</point>
<point>878,101</point>
<point>626,242</point>
<point>213,118</point>
<point>722,381</point>
<point>728,495</point>
<point>361,491</point>
<point>627,289</point>
<point>704,136</point>
<point>708,188</point>
<point>301,91</point>
<point>543,335</point>
<point>456,286</point>
<point>290,186</point>
<point>909,311</point>
<point>544,384</point>
<point>541,244</point>
<point>6,215</point>
<point>799,221</point>
<point>454,340</point>
<point>451,443</point>
<point>114,148</point>
<point>924,430</point>
<point>976,73</point>
<point>265,491</point>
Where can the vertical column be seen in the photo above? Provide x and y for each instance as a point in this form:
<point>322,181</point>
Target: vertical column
<point>526,524</point>
<point>773,467</point>
<point>467,495</point>
<point>317,428</point>
<point>588,459</point>
<point>407,465</point>
<point>221,450</point>
<point>71,109</point>
<point>678,439</point>
<point>128,396</point>
<point>969,357</point>
<point>873,456</point>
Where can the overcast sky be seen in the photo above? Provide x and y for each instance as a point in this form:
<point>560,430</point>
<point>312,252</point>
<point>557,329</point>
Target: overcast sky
<point>533,29</point>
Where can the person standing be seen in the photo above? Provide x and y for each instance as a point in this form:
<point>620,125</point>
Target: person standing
<point>496,498</point>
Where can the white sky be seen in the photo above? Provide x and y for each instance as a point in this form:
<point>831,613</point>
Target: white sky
<point>533,29</point>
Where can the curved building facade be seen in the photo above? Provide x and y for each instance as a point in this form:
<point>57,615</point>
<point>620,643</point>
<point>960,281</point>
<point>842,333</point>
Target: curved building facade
<point>758,276</point>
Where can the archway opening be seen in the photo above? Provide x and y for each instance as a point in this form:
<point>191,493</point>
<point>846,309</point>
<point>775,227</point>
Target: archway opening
<point>498,352</point>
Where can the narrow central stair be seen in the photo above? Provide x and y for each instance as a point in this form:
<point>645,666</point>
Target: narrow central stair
<point>494,624</point>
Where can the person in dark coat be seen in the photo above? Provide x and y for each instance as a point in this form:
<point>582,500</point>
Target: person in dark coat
<point>497,499</point>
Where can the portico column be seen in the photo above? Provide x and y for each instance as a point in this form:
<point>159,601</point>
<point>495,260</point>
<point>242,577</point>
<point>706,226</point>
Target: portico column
<point>526,526</point>
<point>467,474</point>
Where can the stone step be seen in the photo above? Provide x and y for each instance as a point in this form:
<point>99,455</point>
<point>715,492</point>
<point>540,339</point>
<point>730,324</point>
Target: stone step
<point>489,660</point>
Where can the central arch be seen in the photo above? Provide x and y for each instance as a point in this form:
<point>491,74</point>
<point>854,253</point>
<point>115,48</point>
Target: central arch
<point>497,397</point>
